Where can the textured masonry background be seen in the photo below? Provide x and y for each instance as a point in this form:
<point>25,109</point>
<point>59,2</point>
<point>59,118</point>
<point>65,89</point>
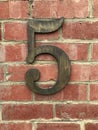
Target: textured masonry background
<point>76,106</point>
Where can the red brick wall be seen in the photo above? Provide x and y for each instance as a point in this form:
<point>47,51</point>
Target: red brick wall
<point>76,106</point>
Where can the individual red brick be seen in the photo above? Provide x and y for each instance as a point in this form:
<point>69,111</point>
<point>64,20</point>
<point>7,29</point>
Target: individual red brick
<point>4,10</point>
<point>95,8</point>
<point>79,111</point>
<point>18,9</point>
<point>93,72</point>
<point>58,126</point>
<point>1,73</point>
<point>94,92</point>
<point>27,111</point>
<point>91,126</point>
<point>72,8</point>
<point>75,51</point>
<point>16,52</point>
<point>14,9</point>
<point>15,93</point>
<point>80,72</point>
<point>95,52</point>
<point>80,30</point>
<point>15,126</point>
<point>44,9</point>
<point>2,53</point>
<point>67,9</point>
<point>70,92</point>
<point>47,72</point>
<point>15,31</point>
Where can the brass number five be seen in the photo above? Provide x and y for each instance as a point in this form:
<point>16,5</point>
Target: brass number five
<point>32,75</point>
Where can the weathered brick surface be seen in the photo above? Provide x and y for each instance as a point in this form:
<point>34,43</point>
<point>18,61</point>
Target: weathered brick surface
<point>19,52</point>
<point>73,108</point>
<point>79,72</point>
<point>15,93</point>
<point>15,31</point>
<point>95,52</point>
<point>77,111</point>
<point>80,30</point>
<point>48,36</point>
<point>18,9</point>
<point>4,10</point>
<point>27,111</point>
<point>75,51</point>
<point>18,32</point>
<point>16,126</point>
<point>22,69</point>
<point>94,92</point>
<point>2,53</point>
<point>1,73</point>
<point>70,92</point>
<point>56,8</point>
<point>94,73</point>
<point>91,126</point>
<point>95,8</point>
<point>58,126</point>
<point>14,9</point>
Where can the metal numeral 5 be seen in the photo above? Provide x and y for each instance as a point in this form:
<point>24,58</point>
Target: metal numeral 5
<point>32,75</point>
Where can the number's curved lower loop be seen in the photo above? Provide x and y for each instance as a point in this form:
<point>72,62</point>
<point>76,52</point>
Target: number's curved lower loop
<point>33,75</point>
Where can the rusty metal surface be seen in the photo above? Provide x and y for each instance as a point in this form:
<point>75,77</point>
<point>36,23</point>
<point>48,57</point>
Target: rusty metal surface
<point>45,25</point>
<point>32,75</point>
